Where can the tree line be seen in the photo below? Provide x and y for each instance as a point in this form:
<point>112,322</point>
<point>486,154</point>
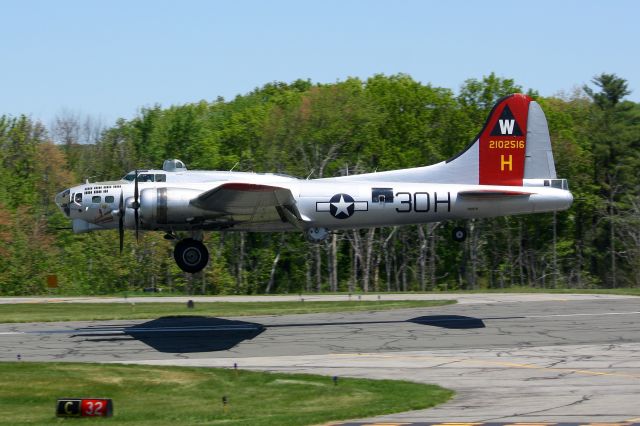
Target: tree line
<point>322,130</point>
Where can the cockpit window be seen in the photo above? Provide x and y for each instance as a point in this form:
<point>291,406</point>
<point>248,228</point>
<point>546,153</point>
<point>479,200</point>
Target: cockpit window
<point>78,198</point>
<point>142,177</point>
<point>161,178</point>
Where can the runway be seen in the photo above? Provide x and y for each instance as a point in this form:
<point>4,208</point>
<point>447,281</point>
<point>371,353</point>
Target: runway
<point>510,358</point>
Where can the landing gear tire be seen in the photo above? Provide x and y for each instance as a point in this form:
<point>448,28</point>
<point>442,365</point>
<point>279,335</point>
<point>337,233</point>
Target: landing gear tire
<point>459,234</point>
<point>317,235</point>
<point>191,255</point>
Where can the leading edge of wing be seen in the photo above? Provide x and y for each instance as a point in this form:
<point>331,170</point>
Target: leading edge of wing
<point>238,198</point>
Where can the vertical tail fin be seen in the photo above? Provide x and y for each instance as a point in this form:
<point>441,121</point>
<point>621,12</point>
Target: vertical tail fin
<point>515,144</point>
<point>502,142</point>
<point>538,163</point>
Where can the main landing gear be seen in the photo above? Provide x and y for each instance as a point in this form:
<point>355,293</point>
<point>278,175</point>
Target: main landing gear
<point>317,235</point>
<point>191,255</point>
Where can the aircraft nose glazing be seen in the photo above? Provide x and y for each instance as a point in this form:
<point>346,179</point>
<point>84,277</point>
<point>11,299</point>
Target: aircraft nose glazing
<point>62,201</point>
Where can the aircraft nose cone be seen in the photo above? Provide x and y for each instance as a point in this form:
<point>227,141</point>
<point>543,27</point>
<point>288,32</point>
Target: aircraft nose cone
<point>62,201</point>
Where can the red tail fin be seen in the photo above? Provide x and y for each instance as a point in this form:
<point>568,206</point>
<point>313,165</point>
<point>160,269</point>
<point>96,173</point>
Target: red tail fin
<point>503,142</point>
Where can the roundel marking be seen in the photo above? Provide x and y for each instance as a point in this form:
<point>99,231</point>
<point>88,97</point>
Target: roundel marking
<point>342,206</point>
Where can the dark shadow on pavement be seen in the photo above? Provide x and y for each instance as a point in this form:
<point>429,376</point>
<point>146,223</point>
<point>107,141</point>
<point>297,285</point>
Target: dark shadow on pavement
<point>442,321</point>
<point>186,334</point>
<point>190,334</point>
<point>449,321</point>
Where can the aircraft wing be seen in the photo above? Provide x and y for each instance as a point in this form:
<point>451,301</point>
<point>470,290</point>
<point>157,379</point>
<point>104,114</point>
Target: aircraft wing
<point>253,202</point>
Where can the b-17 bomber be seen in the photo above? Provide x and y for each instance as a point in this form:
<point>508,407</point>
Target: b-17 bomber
<point>507,170</point>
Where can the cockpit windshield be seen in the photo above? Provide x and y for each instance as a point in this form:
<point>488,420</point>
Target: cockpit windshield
<point>145,177</point>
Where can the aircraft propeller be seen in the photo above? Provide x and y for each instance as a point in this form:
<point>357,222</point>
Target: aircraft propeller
<point>136,203</point>
<point>121,211</point>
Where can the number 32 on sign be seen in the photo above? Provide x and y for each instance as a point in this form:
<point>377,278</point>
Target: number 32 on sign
<point>89,407</point>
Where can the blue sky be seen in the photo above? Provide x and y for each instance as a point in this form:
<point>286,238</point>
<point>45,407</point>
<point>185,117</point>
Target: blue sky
<point>107,59</point>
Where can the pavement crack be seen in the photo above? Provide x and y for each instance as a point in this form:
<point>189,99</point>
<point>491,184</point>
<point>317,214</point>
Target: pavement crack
<point>582,400</point>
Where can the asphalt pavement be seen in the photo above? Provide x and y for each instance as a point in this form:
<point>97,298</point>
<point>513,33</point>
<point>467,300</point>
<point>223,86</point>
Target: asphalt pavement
<point>510,358</point>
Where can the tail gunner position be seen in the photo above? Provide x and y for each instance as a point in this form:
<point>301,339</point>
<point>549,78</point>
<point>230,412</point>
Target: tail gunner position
<point>508,169</point>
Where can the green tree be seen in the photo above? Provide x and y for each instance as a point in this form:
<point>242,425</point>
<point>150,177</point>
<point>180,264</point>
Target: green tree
<point>614,171</point>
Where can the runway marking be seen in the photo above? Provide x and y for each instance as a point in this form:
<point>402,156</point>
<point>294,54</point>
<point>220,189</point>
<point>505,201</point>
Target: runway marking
<point>11,332</point>
<point>603,424</point>
<point>456,424</point>
<point>498,363</point>
<point>582,315</point>
<point>385,424</point>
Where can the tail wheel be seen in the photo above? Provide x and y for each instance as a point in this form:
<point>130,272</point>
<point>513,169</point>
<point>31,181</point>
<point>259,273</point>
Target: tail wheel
<point>459,234</point>
<point>191,255</point>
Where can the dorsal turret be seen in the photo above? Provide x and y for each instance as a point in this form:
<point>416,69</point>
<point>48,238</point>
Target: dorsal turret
<point>174,165</point>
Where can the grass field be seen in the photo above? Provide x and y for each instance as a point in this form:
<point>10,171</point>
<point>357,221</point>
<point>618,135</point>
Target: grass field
<point>42,312</point>
<point>149,395</point>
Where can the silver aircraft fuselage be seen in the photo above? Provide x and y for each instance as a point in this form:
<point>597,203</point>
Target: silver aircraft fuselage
<point>336,203</point>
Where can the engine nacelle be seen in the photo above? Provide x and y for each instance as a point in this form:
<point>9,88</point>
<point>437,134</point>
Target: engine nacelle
<point>169,206</point>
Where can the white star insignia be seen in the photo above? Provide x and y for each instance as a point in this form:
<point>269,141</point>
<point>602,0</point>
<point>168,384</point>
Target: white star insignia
<point>342,206</point>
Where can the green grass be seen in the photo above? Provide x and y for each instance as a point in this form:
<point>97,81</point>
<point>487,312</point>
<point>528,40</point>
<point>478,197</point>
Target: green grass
<point>44,312</point>
<point>148,395</point>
